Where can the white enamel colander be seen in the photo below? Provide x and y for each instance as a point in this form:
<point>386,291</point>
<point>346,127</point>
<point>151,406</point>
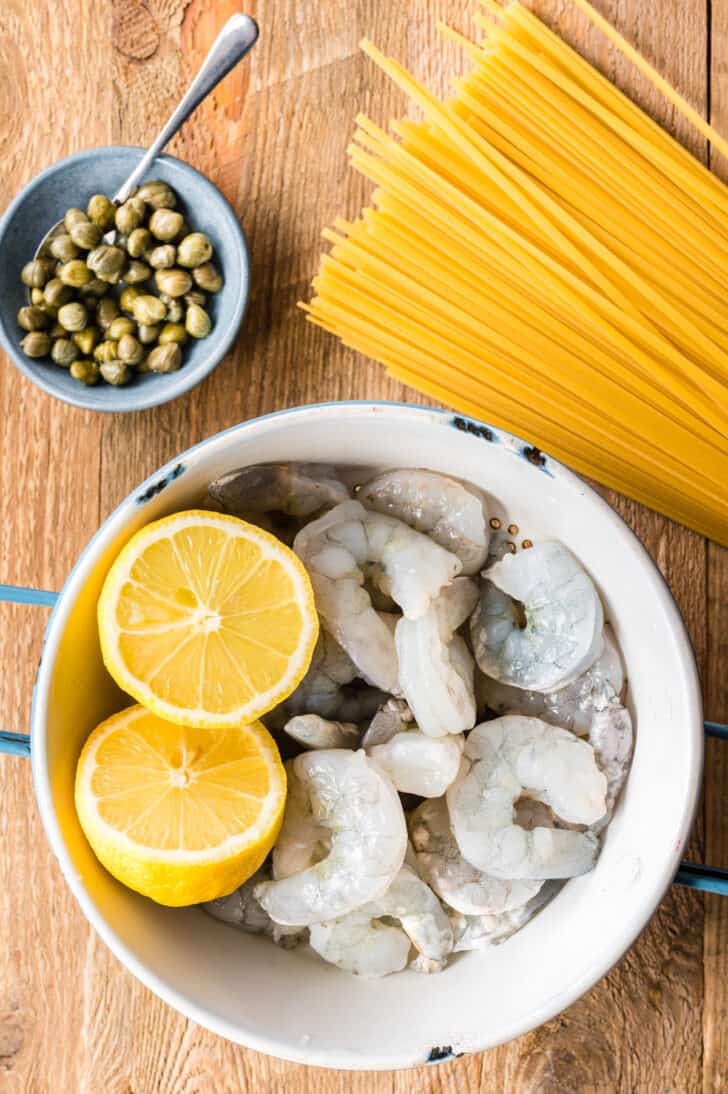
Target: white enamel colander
<point>290,1004</point>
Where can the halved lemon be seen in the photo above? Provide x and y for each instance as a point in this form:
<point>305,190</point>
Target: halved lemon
<point>179,814</point>
<point>207,620</point>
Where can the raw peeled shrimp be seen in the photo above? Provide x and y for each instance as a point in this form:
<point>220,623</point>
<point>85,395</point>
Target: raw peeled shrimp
<point>461,885</point>
<point>360,943</point>
<point>321,690</point>
<point>449,512</point>
<point>435,666</point>
<point>336,546</point>
<point>240,909</point>
<point>419,764</point>
<point>313,731</point>
<point>476,932</point>
<point>394,716</point>
<point>560,634</point>
<point>296,489</point>
<point>571,707</point>
<point>505,758</point>
<point>303,840</point>
<point>345,798</point>
<point>611,737</point>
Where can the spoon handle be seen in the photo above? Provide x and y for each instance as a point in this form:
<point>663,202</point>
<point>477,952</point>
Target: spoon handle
<point>236,38</point>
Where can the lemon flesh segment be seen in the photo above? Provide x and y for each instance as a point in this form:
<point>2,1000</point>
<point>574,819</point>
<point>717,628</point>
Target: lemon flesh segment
<point>178,813</point>
<point>207,620</point>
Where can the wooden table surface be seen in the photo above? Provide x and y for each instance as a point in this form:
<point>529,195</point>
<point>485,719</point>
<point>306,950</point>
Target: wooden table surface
<point>77,73</point>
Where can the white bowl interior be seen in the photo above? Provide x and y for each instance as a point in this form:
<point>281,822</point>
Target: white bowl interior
<point>289,1003</point>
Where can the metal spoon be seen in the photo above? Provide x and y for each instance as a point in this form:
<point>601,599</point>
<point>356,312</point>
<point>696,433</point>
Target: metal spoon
<point>236,38</point>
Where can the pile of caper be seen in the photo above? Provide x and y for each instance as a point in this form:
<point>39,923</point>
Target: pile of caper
<point>92,310</point>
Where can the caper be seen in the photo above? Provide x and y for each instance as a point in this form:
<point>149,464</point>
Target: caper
<point>86,235</point>
<point>57,292</point>
<point>208,277</point>
<point>172,332</point>
<point>33,318</point>
<point>130,215</point>
<point>131,350</point>
<point>57,331</point>
<point>106,351</point>
<point>115,372</point>
<point>195,297</point>
<point>149,309</point>
<point>36,344</point>
<point>94,289</point>
<point>136,271</point>
<point>175,311</point>
<point>138,242</point>
<point>75,273</point>
<point>165,224</point>
<point>87,339</point>
<point>73,216</point>
<point>173,282</point>
<point>85,371</point>
<point>73,316</point>
<point>50,310</point>
<point>157,194</point>
<point>162,257</point>
<point>167,358</point>
<point>101,211</point>
<point>119,327</point>
<point>106,312</point>
<point>36,296</point>
<point>64,352</point>
<point>107,262</point>
<point>148,333</point>
<point>63,248</point>
<point>194,250</point>
<point>36,272</point>
<point>128,296</point>
<point>197,322</point>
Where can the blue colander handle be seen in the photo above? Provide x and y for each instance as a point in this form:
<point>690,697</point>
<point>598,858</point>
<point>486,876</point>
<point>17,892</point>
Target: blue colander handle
<point>18,744</point>
<point>710,879</point>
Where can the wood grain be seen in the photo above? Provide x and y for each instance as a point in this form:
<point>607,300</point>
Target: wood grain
<point>273,138</point>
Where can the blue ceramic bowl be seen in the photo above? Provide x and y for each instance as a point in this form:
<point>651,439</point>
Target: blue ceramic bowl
<point>71,182</point>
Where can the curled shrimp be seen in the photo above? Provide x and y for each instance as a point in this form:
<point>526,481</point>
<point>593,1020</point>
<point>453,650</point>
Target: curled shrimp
<point>505,758</point>
<point>435,666</point>
<point>571,707</point>
<point>461,885</point>
<point>451,513</point>
<point>476,932</point>
<point>296,489</point>
<point>322,689</point>
<point>313,731</point>
<point>346,800</point>
<point>334,549</point>
<point>240,909</point>
<point>419,764</point>
<point>611,737</point>
<point>539,621</point>
<point>362,944</point>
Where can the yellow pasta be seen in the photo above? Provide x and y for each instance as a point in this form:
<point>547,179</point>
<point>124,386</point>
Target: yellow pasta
<point>541,254</point>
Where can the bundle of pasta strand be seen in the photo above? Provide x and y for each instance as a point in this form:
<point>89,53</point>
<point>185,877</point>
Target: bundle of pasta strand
<point>541,254</point>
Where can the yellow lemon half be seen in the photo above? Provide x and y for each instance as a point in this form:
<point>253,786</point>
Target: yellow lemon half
<point>179,814</point>
<point>207,620</point>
